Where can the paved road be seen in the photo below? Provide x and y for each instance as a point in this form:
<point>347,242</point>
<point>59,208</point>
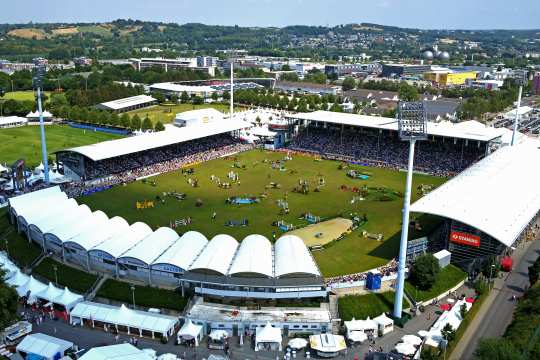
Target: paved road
<point>497,311</point>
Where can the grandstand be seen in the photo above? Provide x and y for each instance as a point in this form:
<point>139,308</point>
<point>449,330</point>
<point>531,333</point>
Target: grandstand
<point>109,157</point>
<point>489,208</point>
<point>220,267</point>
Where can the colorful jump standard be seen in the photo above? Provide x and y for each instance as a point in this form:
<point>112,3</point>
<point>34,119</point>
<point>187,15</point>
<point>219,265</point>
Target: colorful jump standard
<point>412,127</point>
<point>38,84</point>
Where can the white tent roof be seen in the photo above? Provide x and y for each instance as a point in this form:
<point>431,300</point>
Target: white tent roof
<point>383,320</point>
<point>43,345</point>
<point>361,325</point>
<point>217,254</point>
<point>445,128</point>
<point>254,255</point>
<point>35,114</point>
<point>18,279</point>
<point>357,336</point>
<point>21,201</point>
<point>116,352</point>
<point>152,246</point>
<point>475,196</point>
<point>86,223</point>
<point>184,251</point>
<point>79,213</point>
<point>103,231</point>
<point>293,257</point>
<point>50,293</point>
<point>127,102</point>
<point>45,221</point>
<point>327,342</point>
<point>268,334</point>
<point>68,299</point>
<point>123,316</point>
<point>405,348</point>
<point>173,135</point>
<point>10,120</point>
<point>116,246</point>
<point>32,285</point>
<point>34,210</point>
<point>190,330</point>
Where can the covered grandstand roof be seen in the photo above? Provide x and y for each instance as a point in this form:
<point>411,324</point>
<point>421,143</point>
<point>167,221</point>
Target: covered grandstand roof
<point>77,227</point>
<point>184,251</point>
<point>499,195</point>
<point>293,257</point>
<point>217,254</point>
<point>173,135</point>
<point>102,231</point>
<point>152,246</point>
<point>254,256</point>
<point>123,242</point>
<point>34,197</point>
<point>126,102</point>
<point>56,216</point>
<point>471,130</point>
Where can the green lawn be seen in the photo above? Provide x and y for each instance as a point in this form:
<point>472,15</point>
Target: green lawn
<point>25,142</point>
<point>449,277</point>
<point>352,254</point>
<point>18,247</point>
<point>22,95</point>
<point>76,280</point>
<point>166,113</point>
<point>362,306</point>
<point>144,295</point>
<point>95,29</point>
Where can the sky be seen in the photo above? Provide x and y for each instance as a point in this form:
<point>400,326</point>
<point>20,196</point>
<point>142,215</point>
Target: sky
<point>426,14</point>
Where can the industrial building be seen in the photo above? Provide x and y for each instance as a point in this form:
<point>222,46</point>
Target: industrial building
<point>447,77</point>
<point>173,64</point>
<point>403,70</point>
<point>344,69</point>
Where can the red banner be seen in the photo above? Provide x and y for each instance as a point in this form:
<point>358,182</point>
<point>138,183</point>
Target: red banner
<point>464,239</point>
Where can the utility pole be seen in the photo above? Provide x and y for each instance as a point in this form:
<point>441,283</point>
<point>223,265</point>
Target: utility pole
<point>412,124</point>
<point>38,84</point>
<point>520,79</point>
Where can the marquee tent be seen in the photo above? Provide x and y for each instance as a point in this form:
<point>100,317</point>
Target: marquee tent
<point>50,293</point>
<point>44,346</point>
<point>385,324</point>
<point>116,352</point>
<point>191,331</point>
<point>32,286</point>
<point>68,299</point>
<point>18,279</point>
<point>269,337</point>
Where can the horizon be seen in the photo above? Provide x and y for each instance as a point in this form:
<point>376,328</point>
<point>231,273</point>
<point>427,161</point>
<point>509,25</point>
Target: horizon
<point>414,14</point>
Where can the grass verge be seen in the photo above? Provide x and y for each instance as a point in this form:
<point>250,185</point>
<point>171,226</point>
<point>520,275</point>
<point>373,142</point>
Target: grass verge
<point>362,306</point>
<point>74,279</point>
<point>449,277</point>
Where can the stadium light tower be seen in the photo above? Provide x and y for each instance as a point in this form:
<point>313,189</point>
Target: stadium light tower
<point>38,84</point>
<point>412,125</point>
<point>520,79</point>
<point>231,111</point>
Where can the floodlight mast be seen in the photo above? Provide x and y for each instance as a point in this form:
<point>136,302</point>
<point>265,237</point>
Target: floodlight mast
<point>231,111</point>
<point>38,84</point>
<point>520,79</point>
<point>412,125</point>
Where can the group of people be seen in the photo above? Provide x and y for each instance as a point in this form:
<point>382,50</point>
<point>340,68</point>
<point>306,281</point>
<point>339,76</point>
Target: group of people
<point>386,270</point>
<point>383,150</point>
<point>155,163</point>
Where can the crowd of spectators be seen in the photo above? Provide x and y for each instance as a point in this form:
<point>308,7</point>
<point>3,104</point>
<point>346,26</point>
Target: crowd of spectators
<point>441,158</point>
<point>386,270</point>
<point>156,162</point>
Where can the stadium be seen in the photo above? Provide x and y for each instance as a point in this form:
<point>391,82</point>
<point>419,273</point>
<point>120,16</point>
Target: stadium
<point>476,197</point>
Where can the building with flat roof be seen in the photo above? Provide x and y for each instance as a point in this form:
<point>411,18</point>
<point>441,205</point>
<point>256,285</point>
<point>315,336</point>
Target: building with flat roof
<point>446,77</point>
<point>12,121</point>
<point>172,64</point>
<point>401,70</point>
<point>128,104</point>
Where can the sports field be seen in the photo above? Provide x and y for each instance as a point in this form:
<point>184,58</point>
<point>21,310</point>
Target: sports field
<point>255,174</point>
<point>27,95</point>
<point>166,113</point>
<point>25,142</point>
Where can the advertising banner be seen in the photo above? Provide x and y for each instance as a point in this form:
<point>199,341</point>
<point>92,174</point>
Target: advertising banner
<point>464,239</point>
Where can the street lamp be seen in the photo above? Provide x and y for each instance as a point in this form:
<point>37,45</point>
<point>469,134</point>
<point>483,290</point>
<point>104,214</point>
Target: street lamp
<point>491,274</point>
<point>38,84</point>
<point>55,269</point>
<point>520,79</point>
<point>412,125</point>
<point>132,287</point>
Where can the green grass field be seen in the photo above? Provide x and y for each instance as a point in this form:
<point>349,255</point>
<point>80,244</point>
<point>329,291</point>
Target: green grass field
<point>95,29</point>
<point>352,254</point>
<point>18,247</point>
<point>144,295</point>
<point>75,280</point>
<point>449,277</point>
<point>25,142</point>
<point>362,306</point>
<point>22,95</point>
<point>166,113</point>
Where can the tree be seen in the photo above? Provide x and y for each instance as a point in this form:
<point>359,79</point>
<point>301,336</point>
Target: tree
<point>407,92</point>
<point>174,98</point>
<point>159,126</point>
<point>198,100</point>
<point>8,303</point>
<point>159,97</point>
<point>125,120</point>
<point>336,108</point>
<point>184,97</point>
<point>147,124</point>
<point>114,119</point>
<point>136,122</point>
<point>285,67</point>
<point>348,84</point>
<point>500,349</point>
<point>214,96</point>
<point>491,268</point>
<point>424,271</point>
<point>448,332</point>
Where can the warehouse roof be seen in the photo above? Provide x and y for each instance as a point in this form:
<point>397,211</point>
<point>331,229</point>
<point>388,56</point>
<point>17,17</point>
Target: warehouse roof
<point>173,135</point>
<point>126,102</point>
<point>499,195</point>
<point>470,130</point>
